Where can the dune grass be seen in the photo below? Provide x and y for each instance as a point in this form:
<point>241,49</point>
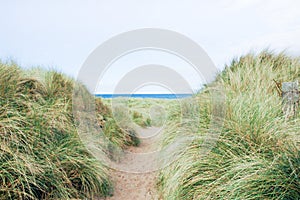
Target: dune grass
<point>41,155</point>
<point>143,112</point>
<point>257,155</point>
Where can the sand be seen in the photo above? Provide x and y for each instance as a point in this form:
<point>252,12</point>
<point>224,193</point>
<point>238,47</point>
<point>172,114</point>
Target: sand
<point>135,175</point>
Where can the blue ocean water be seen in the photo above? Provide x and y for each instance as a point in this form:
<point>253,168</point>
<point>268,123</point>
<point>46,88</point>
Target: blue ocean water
<point>149,96</point>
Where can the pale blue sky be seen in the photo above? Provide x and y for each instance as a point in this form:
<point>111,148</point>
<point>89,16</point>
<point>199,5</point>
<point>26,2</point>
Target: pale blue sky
<point>62,34</point>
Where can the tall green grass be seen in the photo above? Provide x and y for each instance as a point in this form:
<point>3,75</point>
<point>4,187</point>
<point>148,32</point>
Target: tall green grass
<point>257,155</point>
<point>41,155</point>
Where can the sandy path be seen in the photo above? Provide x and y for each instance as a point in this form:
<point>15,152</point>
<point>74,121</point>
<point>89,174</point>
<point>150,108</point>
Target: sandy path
<point>136,180</point>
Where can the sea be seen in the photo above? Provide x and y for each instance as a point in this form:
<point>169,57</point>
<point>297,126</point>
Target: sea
<point>148,96</point>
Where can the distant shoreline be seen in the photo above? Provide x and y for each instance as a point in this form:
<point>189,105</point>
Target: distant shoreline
<point>150,96</point>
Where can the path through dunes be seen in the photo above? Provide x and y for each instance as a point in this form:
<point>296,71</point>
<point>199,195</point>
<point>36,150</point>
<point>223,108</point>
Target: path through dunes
<point>134,177</point>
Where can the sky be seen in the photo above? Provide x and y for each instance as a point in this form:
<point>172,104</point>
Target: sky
<point>62,34</point>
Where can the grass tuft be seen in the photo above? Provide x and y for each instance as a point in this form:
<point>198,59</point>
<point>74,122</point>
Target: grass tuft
<point>257,155</point>
<point>41,155</point>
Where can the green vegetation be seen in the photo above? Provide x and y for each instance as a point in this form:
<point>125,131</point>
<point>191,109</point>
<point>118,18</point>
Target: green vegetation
<point>139,119</point>
<point>41,155</point>
<point>142,112</point>
<point>257,155</point>
<point>118,135</point>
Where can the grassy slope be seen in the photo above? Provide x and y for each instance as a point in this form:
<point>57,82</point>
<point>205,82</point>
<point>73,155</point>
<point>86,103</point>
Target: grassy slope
<point>257,155</point>
<point>41,156</point>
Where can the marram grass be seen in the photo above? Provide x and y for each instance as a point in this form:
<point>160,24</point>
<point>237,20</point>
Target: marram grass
<point>257,155</point>
<point>41,155</point>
